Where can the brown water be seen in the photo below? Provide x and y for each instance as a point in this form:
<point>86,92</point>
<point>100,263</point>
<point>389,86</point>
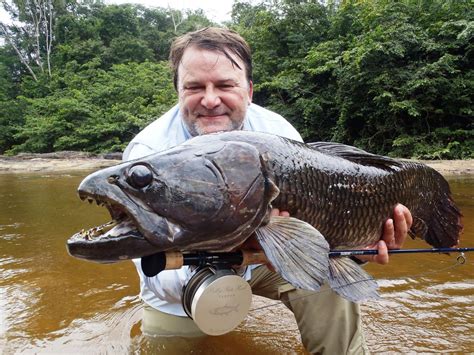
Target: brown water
<point>51,302</point>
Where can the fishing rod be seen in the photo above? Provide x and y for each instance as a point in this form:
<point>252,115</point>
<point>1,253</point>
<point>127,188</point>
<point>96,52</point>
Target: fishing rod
<point>337,253</point>
<point>153,264</point>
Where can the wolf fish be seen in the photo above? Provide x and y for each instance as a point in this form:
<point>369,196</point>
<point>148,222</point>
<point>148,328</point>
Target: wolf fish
<point>213,192</point>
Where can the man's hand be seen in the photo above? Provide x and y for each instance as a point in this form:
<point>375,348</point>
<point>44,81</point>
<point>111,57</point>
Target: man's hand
<point>395,232</point>
<point>277,212</point>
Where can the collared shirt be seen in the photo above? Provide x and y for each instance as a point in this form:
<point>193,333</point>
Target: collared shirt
<point>163,291</point>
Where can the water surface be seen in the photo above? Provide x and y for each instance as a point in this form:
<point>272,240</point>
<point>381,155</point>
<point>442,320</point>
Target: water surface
<point>51,302</point>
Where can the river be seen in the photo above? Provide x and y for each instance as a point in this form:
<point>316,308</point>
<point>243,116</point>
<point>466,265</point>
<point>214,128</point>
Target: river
<point>51,302</point>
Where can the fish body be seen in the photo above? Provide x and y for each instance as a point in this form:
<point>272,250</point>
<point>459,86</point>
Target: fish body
<point>215,191</point>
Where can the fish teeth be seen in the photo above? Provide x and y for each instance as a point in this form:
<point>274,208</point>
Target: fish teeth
<point>102,229</point>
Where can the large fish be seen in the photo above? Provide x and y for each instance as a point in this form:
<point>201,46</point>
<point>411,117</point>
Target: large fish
<point>214,191</point>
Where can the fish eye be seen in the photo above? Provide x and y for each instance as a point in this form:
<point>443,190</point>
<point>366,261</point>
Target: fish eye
<point>139,176</point>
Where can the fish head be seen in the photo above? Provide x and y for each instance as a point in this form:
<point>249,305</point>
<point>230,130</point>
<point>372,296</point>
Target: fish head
<point>202,195</point>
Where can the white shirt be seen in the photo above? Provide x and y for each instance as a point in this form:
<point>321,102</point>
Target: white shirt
<point>163,291</point>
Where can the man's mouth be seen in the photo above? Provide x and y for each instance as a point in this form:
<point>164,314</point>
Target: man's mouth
<point>211,115</point>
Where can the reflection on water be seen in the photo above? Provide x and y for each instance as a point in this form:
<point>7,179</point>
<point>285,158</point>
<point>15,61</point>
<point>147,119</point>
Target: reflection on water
<point>428,300</point>
<point>51,302</point>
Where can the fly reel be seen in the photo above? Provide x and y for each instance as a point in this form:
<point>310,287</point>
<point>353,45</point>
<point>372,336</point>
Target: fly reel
<point>216,299</point>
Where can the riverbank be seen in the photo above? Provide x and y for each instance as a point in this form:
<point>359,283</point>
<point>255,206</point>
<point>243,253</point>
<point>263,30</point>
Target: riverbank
<point>73,161</point>
<point>56,162</point>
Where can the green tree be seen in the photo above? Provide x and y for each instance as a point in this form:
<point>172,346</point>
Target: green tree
<point>393,77</point>
<point>97,110</point>
<point>107,79</point>
<point>390,77</point>
<point>31,33</point>
<point>10,109</point>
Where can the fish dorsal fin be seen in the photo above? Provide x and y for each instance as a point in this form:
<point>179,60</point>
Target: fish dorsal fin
<point>356,155</point>
<point>350,281</point>
<point>297,251</point>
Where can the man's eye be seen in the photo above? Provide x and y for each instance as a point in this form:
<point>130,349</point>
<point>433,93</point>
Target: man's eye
<point>193,88</point>
<point>227,86</point>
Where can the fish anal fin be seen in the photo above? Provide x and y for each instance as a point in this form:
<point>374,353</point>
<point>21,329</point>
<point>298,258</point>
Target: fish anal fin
<point>297,251</point>
<point>350,281</point>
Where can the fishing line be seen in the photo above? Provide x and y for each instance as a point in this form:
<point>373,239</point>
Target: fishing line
<point>460,260</point>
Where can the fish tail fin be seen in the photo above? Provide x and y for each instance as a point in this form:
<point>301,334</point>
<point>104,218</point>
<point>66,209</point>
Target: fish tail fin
<point>350,281</point>
<point>444,226</point>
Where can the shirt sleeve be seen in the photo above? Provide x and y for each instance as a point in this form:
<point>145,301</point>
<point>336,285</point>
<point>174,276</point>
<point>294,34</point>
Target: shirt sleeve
<point>162,291</point>
<point>260,119</point>
<point>136,150</point>
<point>163,133</point>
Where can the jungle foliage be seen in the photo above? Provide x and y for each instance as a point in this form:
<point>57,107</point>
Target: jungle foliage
<point>391,77</point>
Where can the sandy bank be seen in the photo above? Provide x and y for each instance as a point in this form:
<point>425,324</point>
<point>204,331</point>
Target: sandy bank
<point>73,161</point>
<point>56,162</point>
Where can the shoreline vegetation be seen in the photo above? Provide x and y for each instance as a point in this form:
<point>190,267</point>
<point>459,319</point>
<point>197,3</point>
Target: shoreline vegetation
<point>389,77</point>
<point>75,161</point>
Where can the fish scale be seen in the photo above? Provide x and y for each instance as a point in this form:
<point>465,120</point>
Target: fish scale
<point>337,185</point>
<point>300,188</point>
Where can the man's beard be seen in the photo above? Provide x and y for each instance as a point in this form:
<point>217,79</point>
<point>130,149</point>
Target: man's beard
<point>198,130</point>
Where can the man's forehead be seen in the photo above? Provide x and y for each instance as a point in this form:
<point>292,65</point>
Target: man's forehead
<point>210,58</point>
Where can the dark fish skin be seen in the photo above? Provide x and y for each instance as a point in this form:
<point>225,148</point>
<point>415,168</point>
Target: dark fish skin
<point>346,193</point>
<point>214,191</point>
<point>192,204</point>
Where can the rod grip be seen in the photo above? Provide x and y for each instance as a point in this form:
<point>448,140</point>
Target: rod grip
<point>174,260</point>
<point>250,257</point>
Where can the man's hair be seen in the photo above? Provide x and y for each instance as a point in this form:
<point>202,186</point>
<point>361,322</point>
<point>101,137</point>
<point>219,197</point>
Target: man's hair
<point>215,39</point>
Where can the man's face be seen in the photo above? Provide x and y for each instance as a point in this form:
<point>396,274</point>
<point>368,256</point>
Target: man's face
<point>213,93</point>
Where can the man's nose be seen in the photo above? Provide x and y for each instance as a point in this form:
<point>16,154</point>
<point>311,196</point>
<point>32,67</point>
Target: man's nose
<point>211,98</point>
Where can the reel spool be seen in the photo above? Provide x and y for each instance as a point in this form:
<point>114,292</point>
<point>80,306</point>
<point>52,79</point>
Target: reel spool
<point>216,299</point>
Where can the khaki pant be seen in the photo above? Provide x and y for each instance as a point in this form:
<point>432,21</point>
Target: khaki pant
<point>157,323</point>
<point>169,334</point>
<point>327,323</point>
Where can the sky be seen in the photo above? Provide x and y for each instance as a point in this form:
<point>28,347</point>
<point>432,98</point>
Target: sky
<point>216,10</point>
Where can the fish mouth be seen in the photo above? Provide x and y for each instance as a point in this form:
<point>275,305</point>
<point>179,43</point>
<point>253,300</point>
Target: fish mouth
<point>118,239</point>
<point>120,225</point>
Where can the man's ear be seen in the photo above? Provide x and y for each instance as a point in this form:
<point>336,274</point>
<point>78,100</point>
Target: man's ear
<point>250,91</point>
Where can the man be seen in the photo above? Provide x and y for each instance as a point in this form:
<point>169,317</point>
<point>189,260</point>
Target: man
<point>213,77</point>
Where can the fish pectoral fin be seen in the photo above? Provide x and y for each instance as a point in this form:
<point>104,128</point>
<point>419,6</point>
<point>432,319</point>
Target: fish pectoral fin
<point>350,281</point>
<point>297,251</point>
